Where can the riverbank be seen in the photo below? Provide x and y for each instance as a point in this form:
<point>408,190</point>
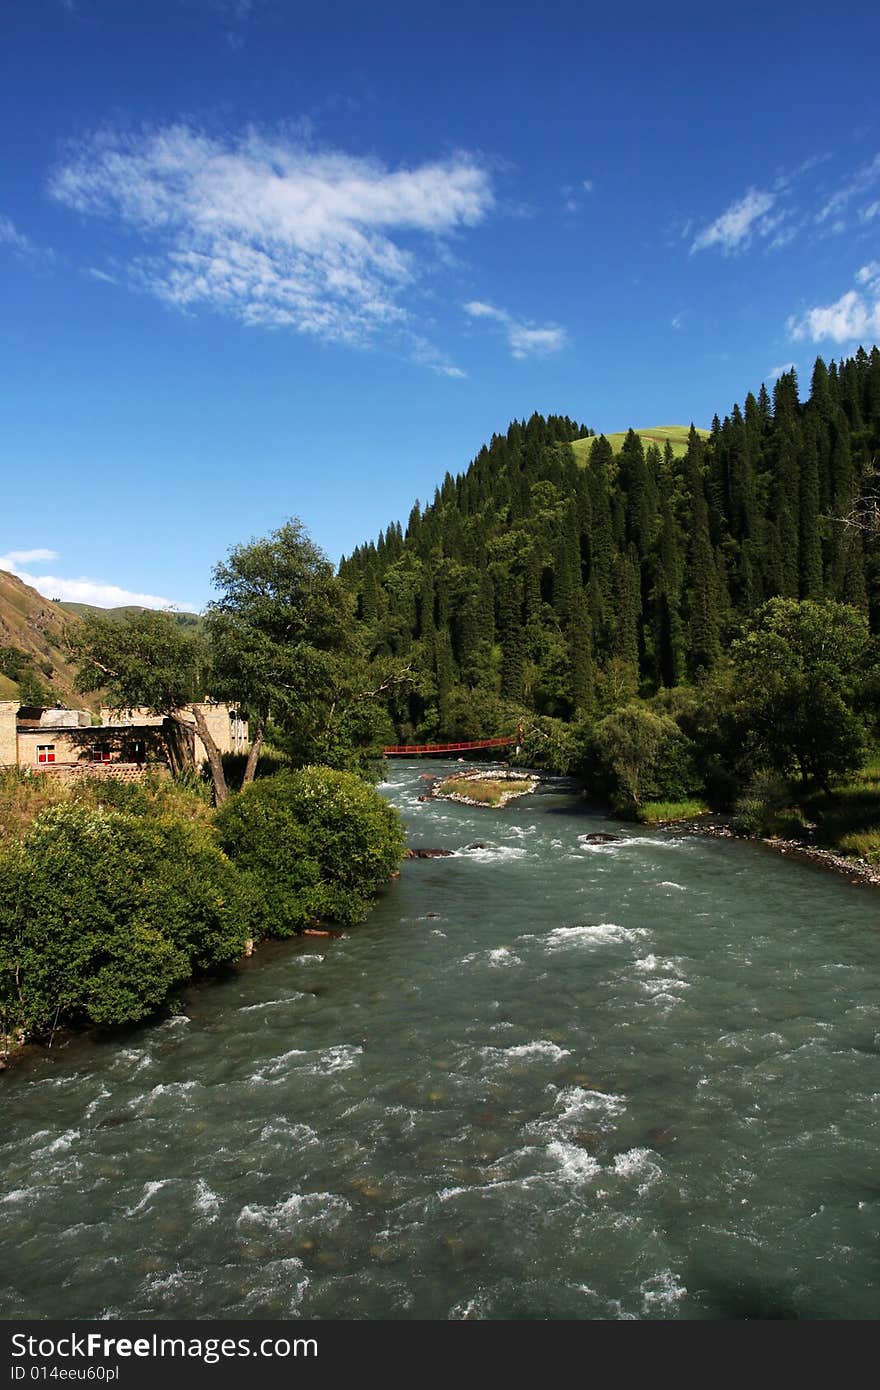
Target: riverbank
<point>856,870</point>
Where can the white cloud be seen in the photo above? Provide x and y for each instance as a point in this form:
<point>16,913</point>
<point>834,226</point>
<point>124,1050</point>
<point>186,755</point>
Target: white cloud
<point>25,557</point>
<point>101,275</point>
<point>571,192</point>
<point>870,212</point>
<point>863,179</point>
<point>427,355</point>
<point>80,590</point>
<point>269,229</point>
<point>480,310</point>
<point>676,321</point>
<point>855,315</point>
<point>526,342</point>
<point>776,372</point>
<point>736,226</point>
<point>11,236</point>
<point>523,339</point>
<point>783,237</point>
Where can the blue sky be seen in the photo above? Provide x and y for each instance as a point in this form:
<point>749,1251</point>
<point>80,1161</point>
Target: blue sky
<point>263,259</point>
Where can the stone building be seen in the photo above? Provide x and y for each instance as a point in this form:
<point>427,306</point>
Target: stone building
<point>65,742</point>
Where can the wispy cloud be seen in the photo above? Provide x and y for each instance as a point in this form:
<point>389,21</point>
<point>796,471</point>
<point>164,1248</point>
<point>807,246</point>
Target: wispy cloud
<point>571,194</point>
<point>524,339</point>
<point>735,228</point>
<point>25,557</point>
<point>17,241</point>
<point>39,259</point>
<point>95,274</point>
<point>855,316</point>
<point>427,354</point>
<point>271,230</point>
<point>80,590</point>
<point>776,372</point>
<point>837,204</point>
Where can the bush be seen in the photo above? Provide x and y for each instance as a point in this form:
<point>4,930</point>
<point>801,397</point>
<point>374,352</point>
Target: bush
<point>640,755</point>
<point>764,807</point>
<point>317,843</point>
<point>103,914</point>
<point>550,745</point>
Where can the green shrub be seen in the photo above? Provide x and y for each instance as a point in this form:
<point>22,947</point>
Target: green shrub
<point>863,843</point>
<point>318,843</point>
<point>550,745</point>
<point>764,807</point>
<point>103,914</point>
<point>270,761</point>
<point>638,755</point>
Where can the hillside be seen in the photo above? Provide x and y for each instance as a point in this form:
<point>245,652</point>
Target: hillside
<point>534,584</point>
<point>32,639</point>
<point>675,435</point>
<point>191,621</point>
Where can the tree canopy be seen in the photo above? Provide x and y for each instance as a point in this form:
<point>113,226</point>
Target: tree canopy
<point>800,668</point>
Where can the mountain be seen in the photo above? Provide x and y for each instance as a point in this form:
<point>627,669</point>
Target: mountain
<point>562,573</point>
<point>32,643</point>
<point>190,621</point>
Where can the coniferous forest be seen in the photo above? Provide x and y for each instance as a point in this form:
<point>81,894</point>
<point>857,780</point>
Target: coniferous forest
<point>550,578</point>
<point>557,577</point>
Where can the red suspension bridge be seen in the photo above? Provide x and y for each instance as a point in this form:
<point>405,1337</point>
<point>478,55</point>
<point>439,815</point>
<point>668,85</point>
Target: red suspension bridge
<point>412,749</point>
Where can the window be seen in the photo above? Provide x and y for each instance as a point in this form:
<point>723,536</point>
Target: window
<point>45,752</point>
<point>100,754</point>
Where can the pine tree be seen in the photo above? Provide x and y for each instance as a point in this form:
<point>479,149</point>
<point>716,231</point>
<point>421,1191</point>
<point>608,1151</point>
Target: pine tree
<point>701,579</point>
<point>810,552</point>
<point>512,640</point>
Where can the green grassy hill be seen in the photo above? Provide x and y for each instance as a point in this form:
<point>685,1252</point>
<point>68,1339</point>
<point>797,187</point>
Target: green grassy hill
<point>677,436</point>
<point>186,620</point>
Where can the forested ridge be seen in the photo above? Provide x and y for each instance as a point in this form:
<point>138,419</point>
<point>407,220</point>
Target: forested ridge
<point>530,582</point>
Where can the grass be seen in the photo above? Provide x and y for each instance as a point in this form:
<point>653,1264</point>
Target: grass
<point>677,435</point>
<point>651,812</point>
<point>849,819</point>
<point>846,819</point>
<point>488,791</point>
<point>23,797</point>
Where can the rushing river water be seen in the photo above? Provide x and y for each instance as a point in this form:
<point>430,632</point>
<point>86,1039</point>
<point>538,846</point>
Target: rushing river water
<point>543,1080</point>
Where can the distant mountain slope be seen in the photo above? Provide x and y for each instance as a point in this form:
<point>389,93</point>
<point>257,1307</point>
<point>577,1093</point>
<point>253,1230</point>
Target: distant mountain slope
<point>36,626</point>
<point>676,435</point>
<point>79,610</point>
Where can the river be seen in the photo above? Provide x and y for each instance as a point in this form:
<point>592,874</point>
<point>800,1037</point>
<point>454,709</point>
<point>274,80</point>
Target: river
<point>544,1080</point>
